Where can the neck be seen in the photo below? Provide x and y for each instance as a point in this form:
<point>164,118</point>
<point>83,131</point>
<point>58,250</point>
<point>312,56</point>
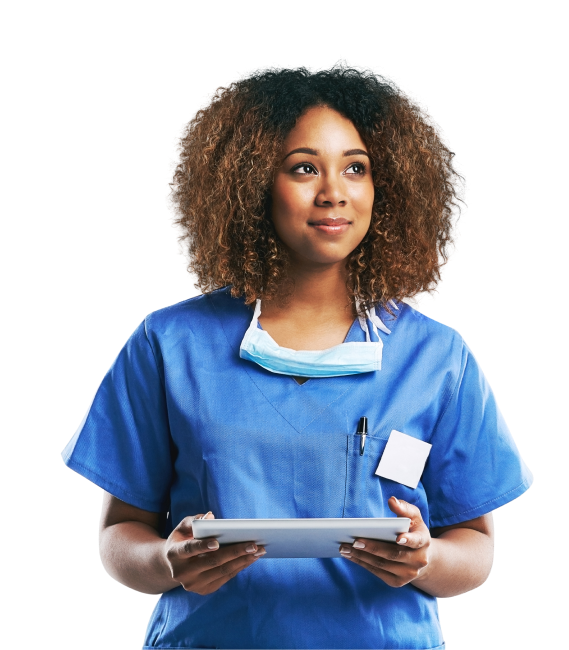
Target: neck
<point>318,289</point>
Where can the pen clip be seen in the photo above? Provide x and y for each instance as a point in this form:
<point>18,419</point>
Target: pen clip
<point>362,432</point>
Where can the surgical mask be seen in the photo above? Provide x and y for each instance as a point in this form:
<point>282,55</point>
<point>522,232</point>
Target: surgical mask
<point>350,358</point>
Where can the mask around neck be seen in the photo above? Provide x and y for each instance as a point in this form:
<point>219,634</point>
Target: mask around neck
<point>350,358</point>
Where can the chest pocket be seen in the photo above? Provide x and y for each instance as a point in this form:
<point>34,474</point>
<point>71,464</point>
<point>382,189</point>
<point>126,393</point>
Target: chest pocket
<point>366,493</point>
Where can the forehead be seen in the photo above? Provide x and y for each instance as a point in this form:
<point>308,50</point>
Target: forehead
<point>324,129</point>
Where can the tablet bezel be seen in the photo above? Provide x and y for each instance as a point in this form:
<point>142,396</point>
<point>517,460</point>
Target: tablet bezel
<point>296,538</point>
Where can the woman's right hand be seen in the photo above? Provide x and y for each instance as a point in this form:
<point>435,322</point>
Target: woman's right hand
<point>200,565</point>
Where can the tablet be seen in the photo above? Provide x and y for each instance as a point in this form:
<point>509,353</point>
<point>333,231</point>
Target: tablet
<point>300,537</point>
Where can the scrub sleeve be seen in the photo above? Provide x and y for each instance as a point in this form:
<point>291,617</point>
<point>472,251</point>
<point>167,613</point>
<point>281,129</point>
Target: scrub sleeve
<point>123,444</point>
<point>181,424</point>
<point>474,466</point>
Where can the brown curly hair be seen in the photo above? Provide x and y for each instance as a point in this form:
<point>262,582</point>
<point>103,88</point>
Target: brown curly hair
<point>230,153</point>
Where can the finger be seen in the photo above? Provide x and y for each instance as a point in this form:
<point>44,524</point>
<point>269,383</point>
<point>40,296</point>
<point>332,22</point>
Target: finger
<point>383,550</point>
<point>414,540</point>
<point>184,529</point>
<point>404,509</point>
<point>374,560</point>
<point>228,553</point>
<point>216,583</point>
<point>389,578</point>
<point>216,566</point>
<point>185,526</point>
<point>192,547</point>
<point>418,534</point>
<point>208,515</point>
<point>225,564</point>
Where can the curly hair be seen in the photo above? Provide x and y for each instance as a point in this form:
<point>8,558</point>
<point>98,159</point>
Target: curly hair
<point>230,152</point>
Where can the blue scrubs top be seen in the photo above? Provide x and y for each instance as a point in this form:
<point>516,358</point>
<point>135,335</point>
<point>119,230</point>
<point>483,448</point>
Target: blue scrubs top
<point>182,424</point>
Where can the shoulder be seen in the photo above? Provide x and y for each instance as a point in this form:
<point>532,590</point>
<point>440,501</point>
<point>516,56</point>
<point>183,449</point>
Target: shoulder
<point>411,321</point>
<point>193,312</point>
<point>430,347</point>
<point>200,320</point>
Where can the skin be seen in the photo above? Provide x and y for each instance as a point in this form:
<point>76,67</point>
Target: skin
<point>443,562</point>
<point>324,175</point>
<point>133,552</point>
<point>328,180</point>
<point>321,182</point>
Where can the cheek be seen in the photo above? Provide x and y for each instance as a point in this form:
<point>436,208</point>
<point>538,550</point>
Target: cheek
<point>364,202</point>
<point>365,198</point>
<point>290,204</point>
<point>291,198</point>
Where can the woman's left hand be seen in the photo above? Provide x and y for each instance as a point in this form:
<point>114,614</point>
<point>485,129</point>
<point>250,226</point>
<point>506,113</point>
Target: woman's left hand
<point>400,563</point>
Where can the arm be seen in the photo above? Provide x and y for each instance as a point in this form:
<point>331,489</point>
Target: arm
<point>131,549</point>
<point>448,562</point>
<point>461,558</point>
<point>134,554</point>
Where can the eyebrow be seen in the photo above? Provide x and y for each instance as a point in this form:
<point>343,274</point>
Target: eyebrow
<point>315,152</point>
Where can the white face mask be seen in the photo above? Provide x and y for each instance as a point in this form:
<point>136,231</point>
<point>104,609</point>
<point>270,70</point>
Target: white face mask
<point>345,359</point>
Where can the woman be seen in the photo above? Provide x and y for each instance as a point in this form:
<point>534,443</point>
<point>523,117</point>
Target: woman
<point>313,204</point>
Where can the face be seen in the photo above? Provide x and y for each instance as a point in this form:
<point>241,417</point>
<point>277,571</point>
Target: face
<point>323,191</point>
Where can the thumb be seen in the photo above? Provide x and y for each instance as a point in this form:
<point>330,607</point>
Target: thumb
<point>418,534</point>
<point>185,526</point>
<point>404,509</point>
<point>399,507</point>
<point>195,546</point>
<point>208,515</point>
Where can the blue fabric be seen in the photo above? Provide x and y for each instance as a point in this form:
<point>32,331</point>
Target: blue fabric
<point>182,424</point>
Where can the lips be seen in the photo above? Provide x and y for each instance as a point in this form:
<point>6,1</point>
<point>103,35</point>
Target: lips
<point>329,221</point>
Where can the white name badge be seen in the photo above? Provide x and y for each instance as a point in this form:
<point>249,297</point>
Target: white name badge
<point>403,459</point>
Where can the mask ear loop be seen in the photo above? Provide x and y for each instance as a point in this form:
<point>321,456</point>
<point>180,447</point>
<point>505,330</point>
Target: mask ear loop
<point>363,322</point>
<point>257,311</point>
<point>255,320</point>
<point>377,322</point>
<point>253,325</point>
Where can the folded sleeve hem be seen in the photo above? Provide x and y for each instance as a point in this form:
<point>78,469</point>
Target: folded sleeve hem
<point>484,508</point>
<point>112,488</point>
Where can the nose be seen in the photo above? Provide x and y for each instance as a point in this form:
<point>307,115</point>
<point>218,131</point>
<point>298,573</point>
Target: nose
<point>331,192</point>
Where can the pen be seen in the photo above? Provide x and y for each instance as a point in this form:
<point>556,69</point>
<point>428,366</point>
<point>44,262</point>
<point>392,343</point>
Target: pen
<point>362,431</point>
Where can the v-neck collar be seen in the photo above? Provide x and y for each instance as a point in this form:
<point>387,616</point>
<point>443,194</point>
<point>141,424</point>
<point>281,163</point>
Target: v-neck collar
<point>236,316</point>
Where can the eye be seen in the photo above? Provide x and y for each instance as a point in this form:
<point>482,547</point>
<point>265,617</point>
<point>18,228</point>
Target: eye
<point>304,168</point>
<point>356,168</point>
